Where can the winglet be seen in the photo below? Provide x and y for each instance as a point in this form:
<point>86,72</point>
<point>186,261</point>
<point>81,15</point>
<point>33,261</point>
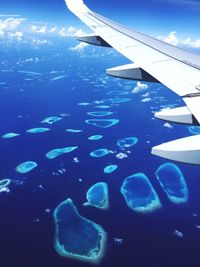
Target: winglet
<point>76,6</point>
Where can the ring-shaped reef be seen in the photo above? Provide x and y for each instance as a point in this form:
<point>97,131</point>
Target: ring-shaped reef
<point>100,113</point>
<point>26,166</point>
<point>127,142</point>
<point>4,183</point>
<point>103,123</point>
<point>37,130</point>
<point>97,196</point>
<point>83,104</point>
<point>119,100</point>
<point>57,78</point>
<point>194,129</point>
<point>51,120</point>
<point>77,237</point>
<point>172,182</point>
<point>117,93</point>
<point>74,131</point>
<point>10,135</point>
<point>139,193</point>
<point>95,137</point>
<point>110,168</point>
<point>99,153</point>
<point>102,106</point>
<point>54,153</point>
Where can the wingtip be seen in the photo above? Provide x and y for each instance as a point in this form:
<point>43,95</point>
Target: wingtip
<point>74,2</point>
<point>76,5</point>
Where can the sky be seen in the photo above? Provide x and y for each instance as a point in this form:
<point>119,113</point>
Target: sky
<point>156,13</point>
<point>167,19</point>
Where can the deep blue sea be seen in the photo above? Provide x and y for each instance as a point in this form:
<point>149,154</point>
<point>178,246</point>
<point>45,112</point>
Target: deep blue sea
<point>26,222</point>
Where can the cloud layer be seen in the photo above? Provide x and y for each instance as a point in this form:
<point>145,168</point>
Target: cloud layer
<point>172,38</point>
<point>21,29</point>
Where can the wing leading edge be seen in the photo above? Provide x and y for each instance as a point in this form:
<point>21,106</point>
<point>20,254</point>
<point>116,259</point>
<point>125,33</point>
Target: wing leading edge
<point>176,68</point>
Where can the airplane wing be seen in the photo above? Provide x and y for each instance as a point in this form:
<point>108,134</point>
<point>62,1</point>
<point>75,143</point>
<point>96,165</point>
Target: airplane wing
<point>155,61</point>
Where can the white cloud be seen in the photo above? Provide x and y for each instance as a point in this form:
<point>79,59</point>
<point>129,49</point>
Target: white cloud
<point>2,33</point>
<point>5,189</point>
<point>71,32</point>
<point>173,39</point>
<point>42,29</point>
<point>9,28</point>
<point>147,99</point>
<point>79,32</point>
<point>53,29</point>
<point>167,125</point>
<point>146,95</point>
<point>71,29</point>
<point>39,29</point>
<point>38,42</point>
<point>24,30</point>
<point>192,43</point>
<point>79,48</point>
<point>140,87</point>
<point>36,34</point>
<point>121,155</point>
<point>34,28</point>
<point>62,32</point>
<point>10,24</point>
<point>17,35</point>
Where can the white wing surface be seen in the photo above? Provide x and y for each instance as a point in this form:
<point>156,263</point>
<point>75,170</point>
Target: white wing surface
<point>176,68</point>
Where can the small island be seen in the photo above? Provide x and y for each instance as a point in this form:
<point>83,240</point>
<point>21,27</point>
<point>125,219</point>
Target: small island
<point>97,196</point>
<point>172,182</point>
<point>139,194</point>
<point>77,237</point>
<point>54,153</point>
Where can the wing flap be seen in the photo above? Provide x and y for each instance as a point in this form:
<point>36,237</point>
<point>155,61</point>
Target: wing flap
<point>185,150</point>
<point>193,103</point>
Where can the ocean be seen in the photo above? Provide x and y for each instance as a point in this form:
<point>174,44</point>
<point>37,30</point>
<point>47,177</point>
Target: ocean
<point>57,80</point>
